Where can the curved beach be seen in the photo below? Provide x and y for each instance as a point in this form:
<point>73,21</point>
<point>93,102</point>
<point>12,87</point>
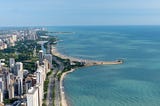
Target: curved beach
<point>58,54</point>
<point>63,100</point>
<point>62,93</point>
<point>55,52</point>
<point>87,62</point>
<point>126,84</point>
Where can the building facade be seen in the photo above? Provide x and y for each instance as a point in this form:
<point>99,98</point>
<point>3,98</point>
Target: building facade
<point>32,97</point>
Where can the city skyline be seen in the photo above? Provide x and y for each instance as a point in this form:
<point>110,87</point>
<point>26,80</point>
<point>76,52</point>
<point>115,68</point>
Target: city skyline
<point>71,12</point>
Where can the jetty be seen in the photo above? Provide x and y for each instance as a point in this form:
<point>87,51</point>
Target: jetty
<point>91,63</point>
<point>61,98</point>
<point>86,62</point>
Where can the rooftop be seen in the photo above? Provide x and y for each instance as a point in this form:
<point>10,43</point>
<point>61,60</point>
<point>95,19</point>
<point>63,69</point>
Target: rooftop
<point>32,90</point>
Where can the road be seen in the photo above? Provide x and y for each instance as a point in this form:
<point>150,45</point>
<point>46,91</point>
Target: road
<point>61,66</point>
<point>49,100</point>
<point>57,93</point>
<point>54,83</point>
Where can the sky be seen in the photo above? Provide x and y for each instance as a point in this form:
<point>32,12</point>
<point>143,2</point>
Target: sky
<point>79,12</point>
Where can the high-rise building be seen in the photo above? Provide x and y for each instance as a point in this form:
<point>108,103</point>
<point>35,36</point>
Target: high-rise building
<point>16,87</point>
<point>14,38</point>
<point>12,65</point>
<point>40,74</point>
<point>28,85</point>
<point>41,55</point>
<point>2,45</point>
<point>20,86</point>
<point>1,96</point>
<point>46,66</point>
<point>2,63</point>
<point>10,85</point>
<point>11,89</point>
<point>11,62</point>
<point>39,77</point>
<point>48,48</point>
<point>19,73</point>
<point>32,92</point>
<point>1,83</point>
<point>32,97</point>
<point>8,79</point>
<point>19,69</point>
<point>40,94</point>
<point>31,35</point>
<point>49,58</point>
<point>1,88</point>
<point>32,78</point>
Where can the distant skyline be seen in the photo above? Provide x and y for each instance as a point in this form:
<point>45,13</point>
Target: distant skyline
<point>79,12</point>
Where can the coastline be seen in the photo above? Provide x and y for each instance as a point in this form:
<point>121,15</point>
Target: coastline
<point>62,93</point>
<point>63,100</point>
<point>87,62</point>
<point>55,52</point>
<point>58,54</point>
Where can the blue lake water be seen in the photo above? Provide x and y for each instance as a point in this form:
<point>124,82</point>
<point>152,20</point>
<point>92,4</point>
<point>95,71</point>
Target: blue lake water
<point>134,83</point>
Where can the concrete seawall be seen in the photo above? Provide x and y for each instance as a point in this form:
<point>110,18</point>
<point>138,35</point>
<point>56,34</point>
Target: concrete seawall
<point>87,62</point>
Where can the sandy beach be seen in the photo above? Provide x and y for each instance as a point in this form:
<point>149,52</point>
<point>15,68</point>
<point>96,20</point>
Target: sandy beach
<point>62,93</point>
<point>87,63</point>
<point>58,54</point>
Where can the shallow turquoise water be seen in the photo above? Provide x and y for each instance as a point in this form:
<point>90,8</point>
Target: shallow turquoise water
<point>134,83</point>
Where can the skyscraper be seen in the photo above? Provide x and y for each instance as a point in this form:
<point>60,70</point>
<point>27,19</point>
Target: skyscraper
<point>40,74</point>
<point>1,88</point>
<point>40,94</point>
<point>1,83</point>
<point>49,58</point>
<point>20,86</point>
<point>28,85</point>
<point>41,55</point>
<point>48,48</point>
<point>19,69</point>
<point>10,85</point>
<point>11,62</point>
<point>46,65</point>
<point>11,90</point>
<point>1,96</point>
<point>32,97</point>
<point>19,73</point>
<point>9,78</point>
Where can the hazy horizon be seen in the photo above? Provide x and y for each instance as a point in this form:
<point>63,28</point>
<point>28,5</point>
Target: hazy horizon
<point>78,13</point>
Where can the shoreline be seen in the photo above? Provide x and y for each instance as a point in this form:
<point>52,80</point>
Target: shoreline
<point>62,93</point>
<point>63,100</point>
<point>87,62</point>
<point>58,54</point>
<point>55,52</point>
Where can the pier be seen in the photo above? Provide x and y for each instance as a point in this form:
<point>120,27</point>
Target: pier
<point>86,62</point>
<point>60,96</point>
<point>91,63</point>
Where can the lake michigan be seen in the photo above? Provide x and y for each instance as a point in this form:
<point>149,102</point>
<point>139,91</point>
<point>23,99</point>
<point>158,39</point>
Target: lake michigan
<point>134,83</point>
